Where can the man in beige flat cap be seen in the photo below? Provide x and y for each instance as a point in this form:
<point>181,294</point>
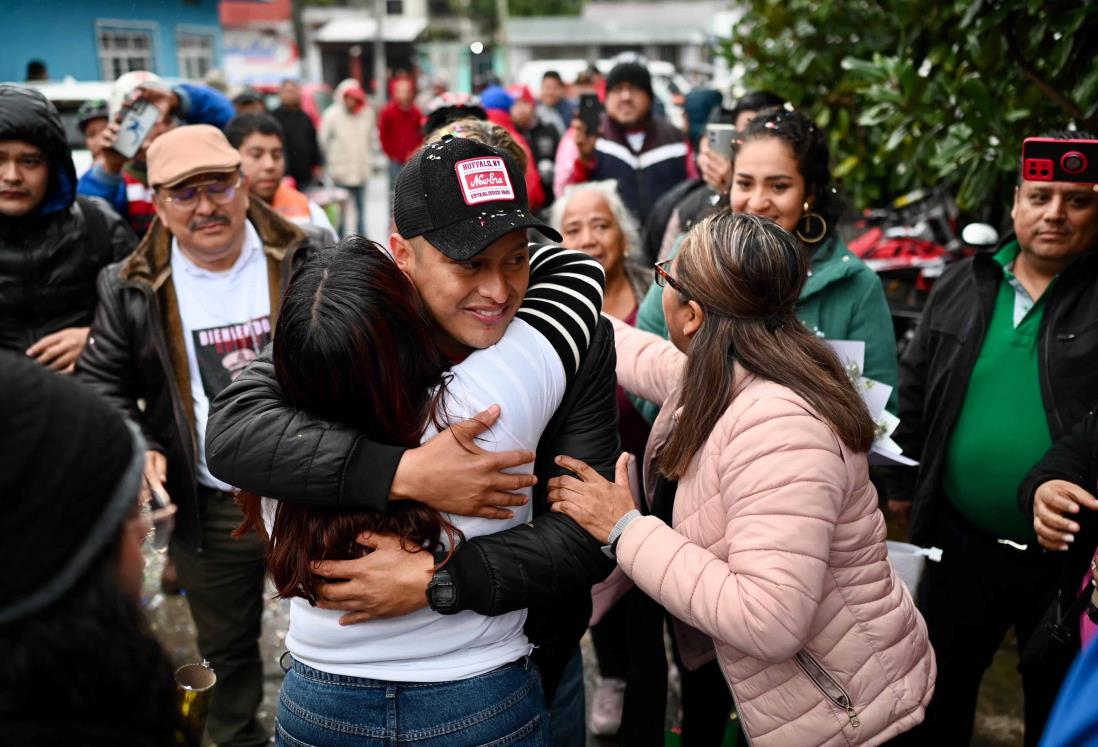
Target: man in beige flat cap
<point>176,322</point>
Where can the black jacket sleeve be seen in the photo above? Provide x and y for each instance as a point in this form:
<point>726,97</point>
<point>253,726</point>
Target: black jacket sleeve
<point>1074,458</point>
<point>914,367</point>
<point>107,362</point>
<point>552,559</point>
<point>257,440</point>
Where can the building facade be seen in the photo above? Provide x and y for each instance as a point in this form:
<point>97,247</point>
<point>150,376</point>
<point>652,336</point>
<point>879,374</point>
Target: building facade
<point>102,39</point>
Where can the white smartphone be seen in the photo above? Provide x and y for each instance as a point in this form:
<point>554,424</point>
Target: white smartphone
<point>136,125</point>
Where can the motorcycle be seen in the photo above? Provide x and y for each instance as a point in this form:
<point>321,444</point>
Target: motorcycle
<point>909,244</point>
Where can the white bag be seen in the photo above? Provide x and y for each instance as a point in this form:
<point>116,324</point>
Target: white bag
<point>909,561</point>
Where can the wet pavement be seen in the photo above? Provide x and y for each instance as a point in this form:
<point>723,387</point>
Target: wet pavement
<point>998,722</point>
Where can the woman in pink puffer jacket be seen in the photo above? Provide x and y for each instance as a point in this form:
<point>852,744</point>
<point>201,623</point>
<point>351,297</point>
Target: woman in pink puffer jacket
<point>777,548</point>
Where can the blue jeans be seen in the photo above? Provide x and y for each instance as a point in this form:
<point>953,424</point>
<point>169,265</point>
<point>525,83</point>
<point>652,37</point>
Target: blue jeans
<point>356,197</point>
<point>503,707</point>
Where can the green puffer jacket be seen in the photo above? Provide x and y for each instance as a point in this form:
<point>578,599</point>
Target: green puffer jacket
<point>842,300</point>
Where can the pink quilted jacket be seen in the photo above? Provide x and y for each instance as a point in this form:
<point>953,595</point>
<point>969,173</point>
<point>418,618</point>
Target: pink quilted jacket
<point>778,555</point>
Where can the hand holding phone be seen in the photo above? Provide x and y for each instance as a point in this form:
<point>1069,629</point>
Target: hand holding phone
<point>1051,160</point>
<point>138,120</point>
<point>590,113</point>
<point>719,138</point>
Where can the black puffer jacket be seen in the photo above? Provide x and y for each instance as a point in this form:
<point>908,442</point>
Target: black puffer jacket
<point>547,566</point>
<point>49,259</point>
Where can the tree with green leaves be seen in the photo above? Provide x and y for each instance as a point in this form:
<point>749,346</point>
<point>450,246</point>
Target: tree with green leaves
<point>916,93</point>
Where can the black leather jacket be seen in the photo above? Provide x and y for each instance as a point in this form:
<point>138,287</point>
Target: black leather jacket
<point>1074,459</point>
<point>547,566</point>
<point>136,349</point>
<point>937,365</point>
<point>49,258</point>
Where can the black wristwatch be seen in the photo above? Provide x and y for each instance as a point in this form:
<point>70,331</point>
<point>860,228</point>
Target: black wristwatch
<point>441,592</point>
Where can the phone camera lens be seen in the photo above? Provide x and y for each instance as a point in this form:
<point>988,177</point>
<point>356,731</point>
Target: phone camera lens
<point>1073,162</point>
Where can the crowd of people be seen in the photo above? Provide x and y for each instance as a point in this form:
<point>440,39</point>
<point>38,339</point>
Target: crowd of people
<point>583,381</point>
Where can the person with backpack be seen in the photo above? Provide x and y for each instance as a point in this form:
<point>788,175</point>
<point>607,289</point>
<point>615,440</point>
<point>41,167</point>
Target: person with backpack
<point>52,243</point>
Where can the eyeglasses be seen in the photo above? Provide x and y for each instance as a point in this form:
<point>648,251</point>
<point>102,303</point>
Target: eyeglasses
<point>219,192</point>
<point>663,278</point>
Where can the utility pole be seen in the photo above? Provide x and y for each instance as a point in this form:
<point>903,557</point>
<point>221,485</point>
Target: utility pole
<point>379,56</point>
<point>502,16</point>
<point>299,33</point>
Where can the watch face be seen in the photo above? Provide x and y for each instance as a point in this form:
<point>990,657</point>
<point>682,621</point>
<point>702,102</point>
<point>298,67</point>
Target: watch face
<point>440,591</point>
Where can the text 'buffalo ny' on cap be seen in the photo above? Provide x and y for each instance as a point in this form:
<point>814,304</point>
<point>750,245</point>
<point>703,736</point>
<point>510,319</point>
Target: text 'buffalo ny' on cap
<point>461,196</point>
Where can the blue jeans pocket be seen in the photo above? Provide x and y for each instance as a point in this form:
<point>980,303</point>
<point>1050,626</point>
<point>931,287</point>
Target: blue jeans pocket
<point>503,707</point>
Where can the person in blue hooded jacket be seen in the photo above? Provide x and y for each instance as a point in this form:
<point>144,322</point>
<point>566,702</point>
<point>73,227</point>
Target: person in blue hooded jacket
<point>52,244</point>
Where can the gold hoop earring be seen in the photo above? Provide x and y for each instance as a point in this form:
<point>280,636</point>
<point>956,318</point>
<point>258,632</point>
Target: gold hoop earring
<point>804,227</point>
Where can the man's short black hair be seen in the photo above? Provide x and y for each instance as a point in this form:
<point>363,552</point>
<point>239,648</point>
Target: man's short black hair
<point>36,70</point>
<point>248,96</point>
<point>756,101</point>
<point>240,127</point>
<point>554,75</point>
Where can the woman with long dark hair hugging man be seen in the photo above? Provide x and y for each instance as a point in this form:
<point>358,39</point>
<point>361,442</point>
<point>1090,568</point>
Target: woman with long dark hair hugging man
<point>352,345</point>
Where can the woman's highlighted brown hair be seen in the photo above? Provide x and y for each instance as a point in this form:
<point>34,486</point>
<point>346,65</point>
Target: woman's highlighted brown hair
<point>746,273</point>
<point>352,346</point>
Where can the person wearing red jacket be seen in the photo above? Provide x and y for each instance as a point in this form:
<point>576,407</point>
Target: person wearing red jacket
<point>497,102</point>
<point>400,127</point>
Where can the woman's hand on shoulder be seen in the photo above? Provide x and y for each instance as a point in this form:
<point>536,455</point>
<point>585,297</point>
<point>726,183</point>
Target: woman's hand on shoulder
<point>589,499</point>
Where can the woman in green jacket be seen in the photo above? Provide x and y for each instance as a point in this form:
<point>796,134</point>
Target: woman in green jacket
<point>781,170</point>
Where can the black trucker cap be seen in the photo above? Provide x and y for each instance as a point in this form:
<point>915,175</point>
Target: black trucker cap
<point>461,195</point>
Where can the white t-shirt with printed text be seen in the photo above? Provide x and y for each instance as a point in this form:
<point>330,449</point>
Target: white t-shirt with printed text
<point>226,319</point>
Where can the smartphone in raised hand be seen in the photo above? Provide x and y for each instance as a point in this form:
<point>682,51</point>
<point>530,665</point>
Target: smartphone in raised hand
<point>137,122</point>
<point>590,112</point>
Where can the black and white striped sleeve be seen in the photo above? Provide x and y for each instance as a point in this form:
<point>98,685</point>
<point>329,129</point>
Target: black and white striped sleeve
<point>564,300</point>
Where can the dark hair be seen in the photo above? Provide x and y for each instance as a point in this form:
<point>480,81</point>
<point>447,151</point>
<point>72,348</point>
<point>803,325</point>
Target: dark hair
<point>747,272</point>
<point>756,101</point>
<point>241,126</point>
<point>247,96</point>
<point>554,75</point>
<point>86,667</point>
<point>811,152</point>
<point>352,345</point>
<point>36,70</point>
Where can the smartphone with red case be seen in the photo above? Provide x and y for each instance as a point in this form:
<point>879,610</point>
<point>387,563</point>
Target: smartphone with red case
<point>1050,160</point>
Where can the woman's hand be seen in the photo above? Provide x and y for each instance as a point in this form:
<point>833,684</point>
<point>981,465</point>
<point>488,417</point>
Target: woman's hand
<point>591,501</point>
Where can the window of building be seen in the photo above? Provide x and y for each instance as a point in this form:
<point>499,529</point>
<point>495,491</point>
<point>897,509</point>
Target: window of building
<point>195,52</point>
<point>394,7</point>
<point>123,48</point>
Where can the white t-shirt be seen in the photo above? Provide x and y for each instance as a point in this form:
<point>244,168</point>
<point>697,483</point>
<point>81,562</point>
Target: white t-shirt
<point>525,375</point>
<point>226,320</point>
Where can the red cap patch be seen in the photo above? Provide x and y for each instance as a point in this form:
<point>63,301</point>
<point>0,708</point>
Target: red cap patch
<point>484,180</point>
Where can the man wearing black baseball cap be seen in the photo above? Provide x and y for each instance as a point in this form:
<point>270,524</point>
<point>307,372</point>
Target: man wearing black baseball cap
<point>644,153</point>
<point>461,212</point>
<point>462,216</point>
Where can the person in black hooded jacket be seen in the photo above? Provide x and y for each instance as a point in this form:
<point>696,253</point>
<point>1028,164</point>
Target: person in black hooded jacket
<point>52,243</point>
